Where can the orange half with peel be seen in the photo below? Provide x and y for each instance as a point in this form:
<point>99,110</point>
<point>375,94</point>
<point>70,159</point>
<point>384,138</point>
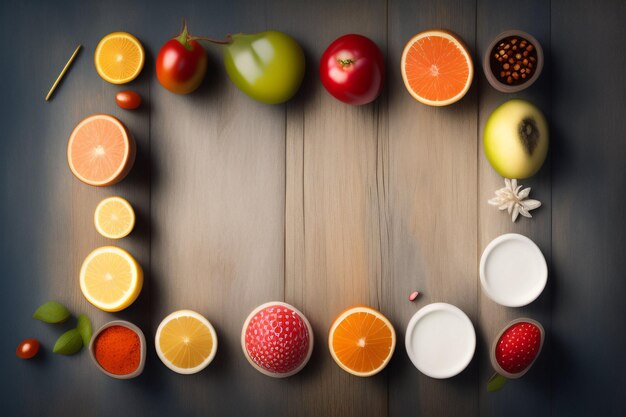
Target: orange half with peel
<point>362,341</point>
<point>119,57</point>
<point>437,68</point>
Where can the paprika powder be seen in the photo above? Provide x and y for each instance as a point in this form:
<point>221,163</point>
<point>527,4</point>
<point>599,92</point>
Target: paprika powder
<point>118,350</point>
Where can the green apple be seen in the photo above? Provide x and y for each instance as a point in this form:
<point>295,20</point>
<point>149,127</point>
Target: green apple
<point>267,66</point>
<point>516,139</point>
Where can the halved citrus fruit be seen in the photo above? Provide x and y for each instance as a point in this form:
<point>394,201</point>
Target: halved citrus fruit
<point>362,341</point>
<point>119,57</point>
<point>186,342</point>
<point>110,278</point>
<point>436,68</point>
<point>100,150</point>
<point>114,218</point>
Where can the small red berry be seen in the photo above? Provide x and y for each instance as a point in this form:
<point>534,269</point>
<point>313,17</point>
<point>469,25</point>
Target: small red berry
<point>27,349</point>
<point>128,100</point>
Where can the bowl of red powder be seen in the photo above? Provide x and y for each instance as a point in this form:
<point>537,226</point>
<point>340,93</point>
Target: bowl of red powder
<point>119,349</point>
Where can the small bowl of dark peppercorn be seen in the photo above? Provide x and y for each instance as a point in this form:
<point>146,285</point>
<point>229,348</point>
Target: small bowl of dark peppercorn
<point>513,61</point>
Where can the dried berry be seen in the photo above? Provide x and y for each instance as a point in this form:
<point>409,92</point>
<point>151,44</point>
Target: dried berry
<point>513,68</point>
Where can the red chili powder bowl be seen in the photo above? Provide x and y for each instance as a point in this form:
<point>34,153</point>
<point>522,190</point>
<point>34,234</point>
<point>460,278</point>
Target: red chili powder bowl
<point>117,349</point>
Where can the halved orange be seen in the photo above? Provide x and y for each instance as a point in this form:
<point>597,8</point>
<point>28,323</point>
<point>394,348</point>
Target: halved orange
<point>437,68</point>
<point>362,341</point>
<point>119,57</point>
<point>100,150</point>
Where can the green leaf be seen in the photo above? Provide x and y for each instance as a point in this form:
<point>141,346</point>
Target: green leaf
<point>84,328</point>
<point>69,343</point>
<point>52,312</point>
<point>496,382</point>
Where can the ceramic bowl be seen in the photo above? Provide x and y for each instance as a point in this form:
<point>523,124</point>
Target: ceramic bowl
<point>513,271</point>
<point>142,344</point>
<point>493,80</point>
<point>440,340</point>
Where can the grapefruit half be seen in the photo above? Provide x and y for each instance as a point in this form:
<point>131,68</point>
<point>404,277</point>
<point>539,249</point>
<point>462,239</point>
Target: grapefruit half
<point>100,150</point>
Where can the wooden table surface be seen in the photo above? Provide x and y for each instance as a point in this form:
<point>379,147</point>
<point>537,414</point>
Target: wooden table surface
<point>316,203</point>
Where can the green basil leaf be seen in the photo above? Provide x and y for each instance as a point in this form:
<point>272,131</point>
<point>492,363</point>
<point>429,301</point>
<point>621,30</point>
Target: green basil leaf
<point>84,328</point>
<point>496,382</point>
<point>52,312</point>
<point>69,343</point>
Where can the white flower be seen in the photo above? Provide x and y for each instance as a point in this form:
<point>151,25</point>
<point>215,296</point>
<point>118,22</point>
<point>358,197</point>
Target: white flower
<point>512,199</point>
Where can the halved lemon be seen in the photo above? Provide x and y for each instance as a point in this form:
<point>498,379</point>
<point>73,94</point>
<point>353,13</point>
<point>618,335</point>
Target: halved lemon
<point>114,218</point>
<point>362,341</point>
<point>110,278</point>
<point>119,57</point>
<point>186,342</point>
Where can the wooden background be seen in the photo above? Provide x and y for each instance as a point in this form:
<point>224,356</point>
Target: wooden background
<point>316,203</point>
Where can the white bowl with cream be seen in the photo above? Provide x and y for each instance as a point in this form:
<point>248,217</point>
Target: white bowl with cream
<point>513,271</point>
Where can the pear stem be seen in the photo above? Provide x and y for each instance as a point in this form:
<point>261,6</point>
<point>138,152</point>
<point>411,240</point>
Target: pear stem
<point>227,41</point>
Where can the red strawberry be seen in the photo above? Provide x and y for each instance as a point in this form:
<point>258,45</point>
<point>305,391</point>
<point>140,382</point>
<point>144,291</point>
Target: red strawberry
<point>518,346</point>
<point>277,339</point>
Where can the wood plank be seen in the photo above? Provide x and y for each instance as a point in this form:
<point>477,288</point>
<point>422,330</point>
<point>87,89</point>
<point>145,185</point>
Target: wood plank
<point>430,200</point>
<point>51,217</point>
<point>588,232</point>
<point>218,213</point>
<point>533,390</point>
<point>333,244</point>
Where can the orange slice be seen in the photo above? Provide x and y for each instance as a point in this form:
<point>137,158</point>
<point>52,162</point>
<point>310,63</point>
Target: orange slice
<point>362,341</point>
<point>100,151</point>
<point>119,57</point>
<point>436,68</point>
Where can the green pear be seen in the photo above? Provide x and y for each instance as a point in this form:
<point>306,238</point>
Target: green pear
<point>516,139</point>
<point>267,66</point>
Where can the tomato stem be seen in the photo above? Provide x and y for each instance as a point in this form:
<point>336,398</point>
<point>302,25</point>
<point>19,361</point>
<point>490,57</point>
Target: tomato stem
<point>184,37</point>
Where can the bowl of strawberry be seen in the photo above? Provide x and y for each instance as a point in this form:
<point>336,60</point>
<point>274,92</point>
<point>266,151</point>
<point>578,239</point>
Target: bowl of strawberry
<point>517,347</point>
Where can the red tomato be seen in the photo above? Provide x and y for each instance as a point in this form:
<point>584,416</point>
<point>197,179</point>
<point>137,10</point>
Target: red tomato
<point>352,69</point>
<point>128,99</point>
<point>27,349</point>
<point>181,64</point>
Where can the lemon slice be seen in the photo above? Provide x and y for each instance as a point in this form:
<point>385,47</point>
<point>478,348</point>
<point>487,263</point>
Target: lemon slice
<point>110,278</point>
<point>186,342</point>
<point>119,57</point>
<point>114,218</point>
